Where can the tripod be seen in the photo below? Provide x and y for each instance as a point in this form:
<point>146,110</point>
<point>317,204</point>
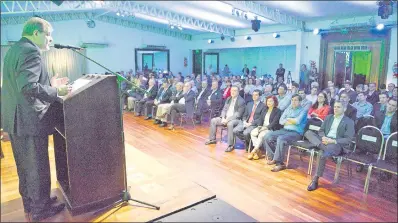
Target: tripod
<point>125,194</point>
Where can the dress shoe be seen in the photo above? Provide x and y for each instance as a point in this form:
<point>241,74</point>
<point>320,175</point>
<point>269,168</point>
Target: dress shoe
<point>278,168</point>
<point>271,162</point>
<point>156,121</point>
<point>137,114</point>
<point>197,122</point>
<point>257,155</point>
<point>210,142</point>
<point>171,127</point>
<point>229,149</point>
<point>313,185</point>
<point>53,199</point>
<point>164,124</point>
<point>47,212</point>
<point>148,117</point>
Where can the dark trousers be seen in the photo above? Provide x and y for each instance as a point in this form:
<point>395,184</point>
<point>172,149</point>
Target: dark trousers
<point>201,107</point>
<point>325,150</point>
<point>140,105</point>
<point>33,167</point>
<point>176,108</point>
<point>148,107</point>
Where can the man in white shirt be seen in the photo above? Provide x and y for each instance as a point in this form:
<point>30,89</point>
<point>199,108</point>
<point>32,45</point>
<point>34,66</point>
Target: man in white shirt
<point>230,117</point>
<point>313,97</point>
<point>335,135</point>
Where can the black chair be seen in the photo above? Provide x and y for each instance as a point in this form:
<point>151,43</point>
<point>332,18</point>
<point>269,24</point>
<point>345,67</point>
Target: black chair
<point>313,124</point>
<point>364,121</point>
<point>368,147</point>
<point>388,161</point>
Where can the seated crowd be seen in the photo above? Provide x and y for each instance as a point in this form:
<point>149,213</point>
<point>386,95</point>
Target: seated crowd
<point>267,116</point>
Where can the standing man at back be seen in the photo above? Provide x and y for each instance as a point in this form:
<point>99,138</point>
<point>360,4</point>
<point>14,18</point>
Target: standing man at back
<point>27,93</point>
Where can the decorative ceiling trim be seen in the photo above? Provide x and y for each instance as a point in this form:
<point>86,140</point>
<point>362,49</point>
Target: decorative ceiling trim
<point>14,20</point>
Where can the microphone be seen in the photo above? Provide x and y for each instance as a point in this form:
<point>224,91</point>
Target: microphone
<point>59,46</point>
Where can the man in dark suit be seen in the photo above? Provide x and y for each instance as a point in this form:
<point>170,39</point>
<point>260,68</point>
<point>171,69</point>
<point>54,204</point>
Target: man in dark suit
<point>200,101</point>
<point>214,100</point>
<point>252,117</point>
<point>381,105</point>
<point>149,95</point>
<point>387,121</point>
<point>336,134</point>
<point>162,97</point>
<point>349,110</point>
<point>372,95</point>
<point>164,109</point>
<point>27,94</point>
<point>186,104</point>
<point>280,73</point>
<point>230,117</point>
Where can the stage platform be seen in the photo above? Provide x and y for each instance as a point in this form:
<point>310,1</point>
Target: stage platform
<point>174,169</point>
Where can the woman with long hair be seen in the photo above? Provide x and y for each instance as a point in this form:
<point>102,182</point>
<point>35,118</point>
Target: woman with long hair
<point>321,107</point>
<point>270,123</point>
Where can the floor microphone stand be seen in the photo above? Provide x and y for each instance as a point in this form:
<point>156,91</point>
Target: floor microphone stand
<point>125,195</point>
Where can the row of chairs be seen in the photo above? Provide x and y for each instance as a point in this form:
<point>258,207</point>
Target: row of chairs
<point>369,150</point>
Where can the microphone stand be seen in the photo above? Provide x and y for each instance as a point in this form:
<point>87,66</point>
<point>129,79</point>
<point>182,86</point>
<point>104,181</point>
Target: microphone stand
<point>125,195</point>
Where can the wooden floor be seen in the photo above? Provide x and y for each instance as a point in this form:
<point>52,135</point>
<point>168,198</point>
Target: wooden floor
<point>163,162</point>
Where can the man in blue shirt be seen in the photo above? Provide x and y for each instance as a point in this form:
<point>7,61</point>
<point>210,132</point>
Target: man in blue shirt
<point>293,120</point>
<point>363,107</point>
<point>387,122</point>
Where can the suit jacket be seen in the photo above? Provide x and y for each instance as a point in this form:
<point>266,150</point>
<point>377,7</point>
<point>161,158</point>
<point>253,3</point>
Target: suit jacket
<point>258,113</point>
<point>379,120</point>
<point>151,94</point>
<point>273,118</point>
<point>177,95</point>
<point>215,99</point>
<point>345,130</point>
<point>373,99</point>
<point>204,95</point>
<point>350,112</point>
<point>166,95</point>
<point>190,103</point>
<point>26,93</point>
<point>376,109</point>
<point>239,108</point>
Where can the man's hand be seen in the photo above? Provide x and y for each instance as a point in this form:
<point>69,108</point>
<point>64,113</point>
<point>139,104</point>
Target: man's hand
<point>289,121</point>
<point>223,121</point>
<point>64,90</point>
<point>326,140</point>
<point>247,124</point>
<point>56,81</point>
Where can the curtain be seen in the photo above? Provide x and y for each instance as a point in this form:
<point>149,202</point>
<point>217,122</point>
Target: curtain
<point>66,63</point>
<point>362,62</point>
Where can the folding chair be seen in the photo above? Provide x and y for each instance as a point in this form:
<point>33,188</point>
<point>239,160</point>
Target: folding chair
<point>313,124</point>
<point>368,147</point>
<point>388,161</point>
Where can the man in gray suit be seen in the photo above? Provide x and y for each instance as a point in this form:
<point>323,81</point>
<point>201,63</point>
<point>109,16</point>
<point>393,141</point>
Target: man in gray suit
<point>252,117</point>
<point>336,134</point>
<point>26,96</point>
<point>230,117</point>
<point>185,104</point>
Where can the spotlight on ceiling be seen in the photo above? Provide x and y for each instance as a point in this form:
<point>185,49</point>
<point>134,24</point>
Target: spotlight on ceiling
<point>237,13</point>
<point>248,38</point>
<point>233,11</point>
<point>210,41</point>
<point>380,26</point>
<point>246,16</point>
<point>90,23</point>
<point>316,31</point>
<point>232,39</point>
<point>276,35</point>
<point>118,13</point>
<point>179,27</point>
<point>222,37</point>
<point>171,26</point>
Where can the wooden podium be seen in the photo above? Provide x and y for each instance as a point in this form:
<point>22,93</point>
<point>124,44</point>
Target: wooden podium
<point>88,144</point>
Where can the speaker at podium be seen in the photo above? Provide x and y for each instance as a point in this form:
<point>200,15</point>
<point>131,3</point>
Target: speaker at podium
<point>89,145</point>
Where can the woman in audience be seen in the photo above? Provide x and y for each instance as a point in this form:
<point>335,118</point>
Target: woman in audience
<point>271,123</point>
<point>321,107</point>
<point>227,90</point>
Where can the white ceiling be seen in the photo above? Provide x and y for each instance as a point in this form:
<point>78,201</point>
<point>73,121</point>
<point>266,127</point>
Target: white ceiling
<point>221,12</point>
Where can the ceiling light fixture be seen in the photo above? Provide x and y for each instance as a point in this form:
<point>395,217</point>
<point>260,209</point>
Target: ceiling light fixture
<point>276,35</point>
<point>316,31</point>
<point>248,38</point>
<point>179,27</point>
<point>222,37</point>
<point>380,26</point>
<point>210,41</point>
<point>232,39</point>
